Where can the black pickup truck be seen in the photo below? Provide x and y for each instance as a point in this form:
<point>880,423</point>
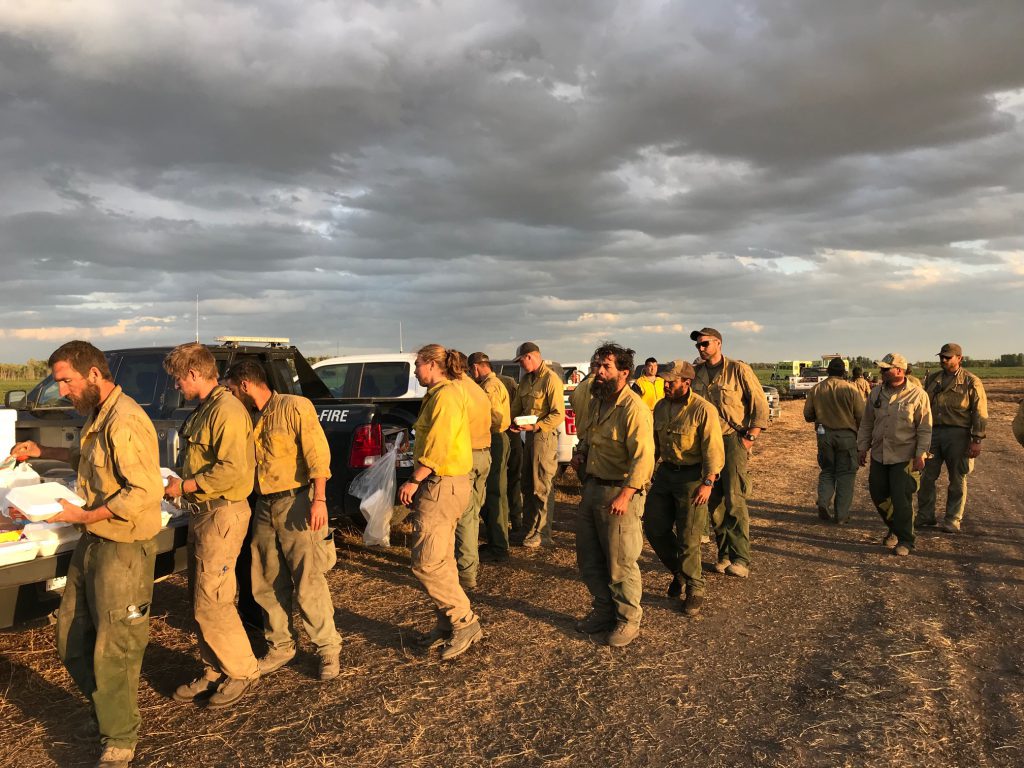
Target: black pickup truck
<point>359,430</point>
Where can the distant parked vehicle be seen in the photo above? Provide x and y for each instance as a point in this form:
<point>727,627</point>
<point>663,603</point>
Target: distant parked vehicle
<point>774,403</point>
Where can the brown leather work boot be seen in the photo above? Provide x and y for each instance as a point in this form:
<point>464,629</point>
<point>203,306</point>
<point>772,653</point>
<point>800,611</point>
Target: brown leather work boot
<point>623,634</point>
<point>461,641</point>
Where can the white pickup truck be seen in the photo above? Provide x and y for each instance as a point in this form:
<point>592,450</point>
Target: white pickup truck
<point>800,385</point>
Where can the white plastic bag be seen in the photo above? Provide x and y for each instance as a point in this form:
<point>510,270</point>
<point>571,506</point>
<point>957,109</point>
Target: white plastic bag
<point>375,487</point>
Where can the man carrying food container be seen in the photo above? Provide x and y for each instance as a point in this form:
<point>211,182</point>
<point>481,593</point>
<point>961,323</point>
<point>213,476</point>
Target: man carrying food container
<point>103,620</point>
<point>537,409</point>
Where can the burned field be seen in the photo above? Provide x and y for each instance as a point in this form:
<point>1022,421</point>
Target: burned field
<point>833,653</point>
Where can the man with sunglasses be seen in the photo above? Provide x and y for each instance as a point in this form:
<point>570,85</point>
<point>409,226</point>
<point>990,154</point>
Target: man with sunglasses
<point>959,414</point>
<point>733,388</point>
<point>897,430</point>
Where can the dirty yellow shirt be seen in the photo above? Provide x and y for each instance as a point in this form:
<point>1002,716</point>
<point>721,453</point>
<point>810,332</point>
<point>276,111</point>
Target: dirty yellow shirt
<point>735,391</point>
<point>478,408</point>
<point>959,401</point>
<point>619,443</point>
<point>218,452</point>
<point>118,464</point>
<point>579,398</point>
<point>540,394</point>
<point>442,442</point>
<point>863,386</point>
<point>651,391</point>
<point>835,403</point>
<point>689,432</point>
<point>897,424</point>
<point>497,395</point>
<point>291,447</point>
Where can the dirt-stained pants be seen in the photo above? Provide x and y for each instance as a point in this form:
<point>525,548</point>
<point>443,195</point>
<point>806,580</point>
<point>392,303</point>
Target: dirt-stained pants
<point>607,549</point>
<point>728,504</point>
<point>214,540</point>
<point>515,479</point>
<point>103,629</point>
<point>540,463</point>
<point>674,525</point>
<point>436,509</point>
<point>495,512</point>
<point>837,459</point>
<point>949,447</point>
<point>892,488</point>
<point>467,532</point>
<point>288,557</point>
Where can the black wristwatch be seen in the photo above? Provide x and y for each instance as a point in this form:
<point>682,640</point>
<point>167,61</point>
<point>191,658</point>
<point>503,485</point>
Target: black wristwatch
<point>708,482</point>
<point>750,437</point>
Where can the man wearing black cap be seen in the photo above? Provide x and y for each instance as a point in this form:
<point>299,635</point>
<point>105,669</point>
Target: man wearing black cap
<point>835,407</point>
<point>733,388</point>
<point>539,407</point>
<point>688,439</point>
<point>959,416</point>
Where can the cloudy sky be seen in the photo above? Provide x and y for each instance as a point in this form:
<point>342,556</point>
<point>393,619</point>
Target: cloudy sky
<point>806,176</point>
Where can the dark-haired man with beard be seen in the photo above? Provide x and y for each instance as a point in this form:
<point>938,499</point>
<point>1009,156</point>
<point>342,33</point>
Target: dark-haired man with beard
<point>615,457</point>
<point>103,619</point>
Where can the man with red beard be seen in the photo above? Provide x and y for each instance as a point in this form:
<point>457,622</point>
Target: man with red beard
<point>103,620</point>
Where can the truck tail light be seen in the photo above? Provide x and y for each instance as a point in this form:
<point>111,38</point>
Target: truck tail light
<point>367,446</point>
<point>570,421</point>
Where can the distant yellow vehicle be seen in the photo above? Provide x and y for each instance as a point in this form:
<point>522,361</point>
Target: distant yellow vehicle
<point>788,368</point>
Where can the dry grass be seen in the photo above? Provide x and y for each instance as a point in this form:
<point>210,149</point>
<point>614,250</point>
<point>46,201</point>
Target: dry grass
<point>832,654</point>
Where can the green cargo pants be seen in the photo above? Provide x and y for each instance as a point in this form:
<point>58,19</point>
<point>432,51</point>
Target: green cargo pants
<point>892,488</point>
<point>674,525</point>
<point>728,504</point>
<point>837,458</point>
<point>949,447</point>
<point>103,629</point>
<point>467,532</point>
<point>495,510</point>
<point>515,480</point>
<point>289,558</point>
<point>540,463</point>
<point>607,549</point>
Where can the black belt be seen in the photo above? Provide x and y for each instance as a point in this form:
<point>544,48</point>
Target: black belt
<point>947,426</point>
<point>678,467</point>
<point>606,483</point>
<point>283,494</point>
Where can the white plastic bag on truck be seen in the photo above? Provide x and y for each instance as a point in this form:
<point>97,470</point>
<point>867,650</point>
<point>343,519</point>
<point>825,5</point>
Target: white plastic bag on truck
<point>15,477</point>
<point>375,487</point>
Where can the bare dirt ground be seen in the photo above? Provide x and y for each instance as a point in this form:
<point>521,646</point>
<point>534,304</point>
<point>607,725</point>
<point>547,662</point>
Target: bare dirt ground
<point>833,653</point>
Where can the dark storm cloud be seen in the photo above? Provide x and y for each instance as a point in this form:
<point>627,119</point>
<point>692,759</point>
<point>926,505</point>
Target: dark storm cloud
<point>489,172</point>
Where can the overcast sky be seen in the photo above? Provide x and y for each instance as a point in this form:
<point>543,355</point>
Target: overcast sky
<point>807,177</point>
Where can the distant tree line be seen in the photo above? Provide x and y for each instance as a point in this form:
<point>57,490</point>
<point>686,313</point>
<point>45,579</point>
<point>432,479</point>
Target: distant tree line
<point>33,369</point>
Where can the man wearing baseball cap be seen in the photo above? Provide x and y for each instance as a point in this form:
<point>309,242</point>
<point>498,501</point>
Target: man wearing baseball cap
<point>688,440</point>
<point>959,415</point>
<point>540,394</point>
<point>733,388</point>
<point>897,430</point>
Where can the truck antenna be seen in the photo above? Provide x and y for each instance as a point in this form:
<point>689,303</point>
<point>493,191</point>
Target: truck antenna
<point>197,318</point>
<point>401,344</point>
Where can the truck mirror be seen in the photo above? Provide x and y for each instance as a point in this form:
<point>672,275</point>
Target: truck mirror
<point>15,398</point>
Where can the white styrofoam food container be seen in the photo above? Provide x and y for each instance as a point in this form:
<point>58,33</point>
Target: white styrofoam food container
<point>52,537</point>
<point>166,473</point>
<point>523,421</point>
<point>15,477</point>
<point>41,502</point>
<point>12,552</point>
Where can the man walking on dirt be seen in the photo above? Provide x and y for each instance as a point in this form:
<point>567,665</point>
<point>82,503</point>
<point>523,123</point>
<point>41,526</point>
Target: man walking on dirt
<point>291,546</point>
<point>103,619</point>
<point>616,457</point>
<point>218,465</point>
<point>688,439</point>
<point>897,430</point>
<point>959,416</point>
<point>495,509</point>
<point>835,407</point>
<point>467,532</point>
<point>540,394</point>
<point>733,388</point>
